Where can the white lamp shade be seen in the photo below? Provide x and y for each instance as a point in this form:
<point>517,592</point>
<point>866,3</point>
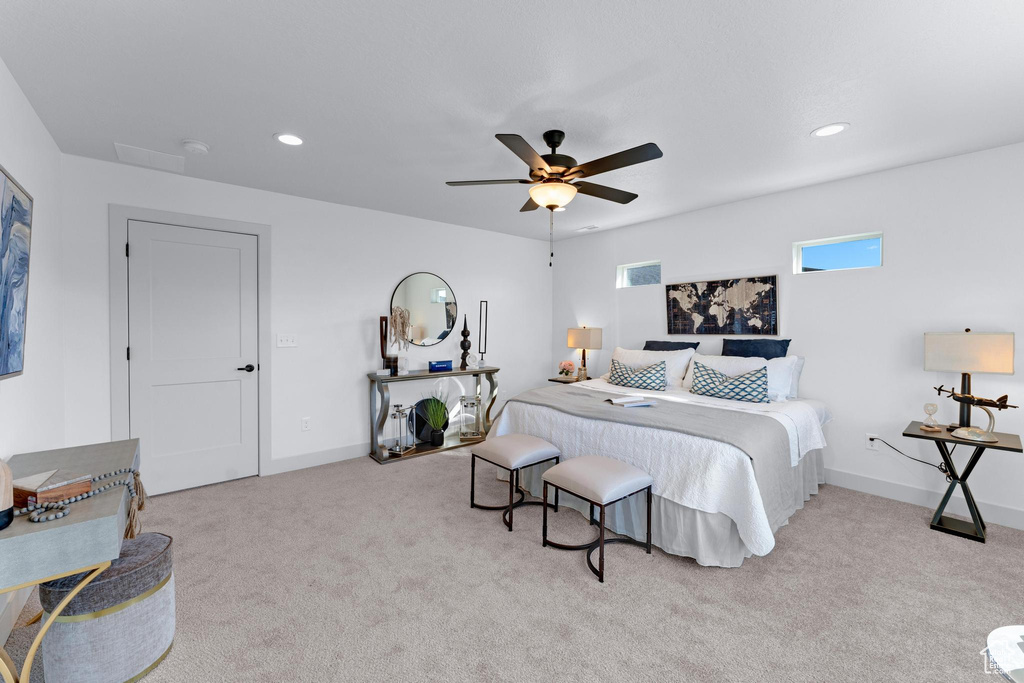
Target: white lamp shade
<point>552,195</point>
<point>969,352</point>
<point>584,338</point>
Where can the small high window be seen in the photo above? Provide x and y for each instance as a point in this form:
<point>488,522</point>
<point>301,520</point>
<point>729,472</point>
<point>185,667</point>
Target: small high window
<point>838,253</point>
<point>638,274</point>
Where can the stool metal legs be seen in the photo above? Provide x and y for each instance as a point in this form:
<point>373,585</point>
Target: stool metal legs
<point>514,485</point>
<point>600,542</point>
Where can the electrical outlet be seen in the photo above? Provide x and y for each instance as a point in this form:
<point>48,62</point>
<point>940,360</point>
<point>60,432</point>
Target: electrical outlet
<point>869,444</point>
<point>287,340</point>
<point>307,424</point>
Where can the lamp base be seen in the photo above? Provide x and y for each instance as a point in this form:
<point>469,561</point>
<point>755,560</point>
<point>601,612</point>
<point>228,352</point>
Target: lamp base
<point>974,434</point>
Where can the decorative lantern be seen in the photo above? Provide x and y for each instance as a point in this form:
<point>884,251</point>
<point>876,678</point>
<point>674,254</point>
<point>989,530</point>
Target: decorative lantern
<point>399,439</point>
<point>470,421</point>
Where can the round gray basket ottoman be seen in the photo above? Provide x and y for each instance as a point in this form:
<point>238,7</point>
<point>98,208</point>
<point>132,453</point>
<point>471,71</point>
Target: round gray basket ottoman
<point>121,625</point>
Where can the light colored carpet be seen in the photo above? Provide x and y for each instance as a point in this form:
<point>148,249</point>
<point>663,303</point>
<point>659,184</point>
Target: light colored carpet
<point>362,572</point>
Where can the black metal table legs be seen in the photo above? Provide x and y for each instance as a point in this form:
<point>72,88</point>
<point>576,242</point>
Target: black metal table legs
<point>976,530</point>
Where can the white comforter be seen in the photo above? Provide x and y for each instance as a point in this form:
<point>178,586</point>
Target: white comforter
<point>699,473</point>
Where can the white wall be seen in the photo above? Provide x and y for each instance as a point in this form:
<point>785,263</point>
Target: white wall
<point>953,253</point>
<point>32,404</point>
<point>332,274</point>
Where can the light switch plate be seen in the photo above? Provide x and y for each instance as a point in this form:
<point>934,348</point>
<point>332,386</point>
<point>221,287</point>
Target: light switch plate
<point>307,424</point>
<point>287,341</point>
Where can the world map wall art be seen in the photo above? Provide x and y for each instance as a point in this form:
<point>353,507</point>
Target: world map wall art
<point>15,239</point>
<point>748,305</point>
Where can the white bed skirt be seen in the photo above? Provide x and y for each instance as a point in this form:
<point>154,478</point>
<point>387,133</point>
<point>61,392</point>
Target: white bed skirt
<point>711,538</point>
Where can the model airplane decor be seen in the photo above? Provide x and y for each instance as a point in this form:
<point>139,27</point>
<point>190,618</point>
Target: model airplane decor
<point>976,433</point>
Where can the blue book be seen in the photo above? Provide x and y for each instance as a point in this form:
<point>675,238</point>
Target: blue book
<point>440,366</point>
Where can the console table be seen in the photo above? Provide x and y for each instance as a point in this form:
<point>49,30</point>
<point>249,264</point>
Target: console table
<point>84,542</point>
<point>974,530</point>
<point>379,386</point>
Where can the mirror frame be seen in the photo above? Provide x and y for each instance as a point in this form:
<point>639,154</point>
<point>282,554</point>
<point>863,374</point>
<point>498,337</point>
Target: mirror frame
<point>391,304</point>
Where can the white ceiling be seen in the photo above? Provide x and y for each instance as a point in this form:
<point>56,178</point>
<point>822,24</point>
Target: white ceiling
<point>395,98</point>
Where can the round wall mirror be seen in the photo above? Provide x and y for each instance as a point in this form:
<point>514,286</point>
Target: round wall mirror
<point>426,306</point>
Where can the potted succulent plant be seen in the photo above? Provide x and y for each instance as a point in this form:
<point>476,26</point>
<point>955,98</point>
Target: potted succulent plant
<point>436,409</point>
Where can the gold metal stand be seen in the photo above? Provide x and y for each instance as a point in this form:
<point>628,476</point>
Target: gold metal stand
<point>7,668</point>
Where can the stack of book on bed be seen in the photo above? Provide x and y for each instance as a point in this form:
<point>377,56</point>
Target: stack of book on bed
<point>633,401</point>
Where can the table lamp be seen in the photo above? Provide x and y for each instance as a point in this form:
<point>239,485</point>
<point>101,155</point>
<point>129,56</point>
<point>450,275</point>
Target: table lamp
<point>584,338</point>
<point>968,352</point>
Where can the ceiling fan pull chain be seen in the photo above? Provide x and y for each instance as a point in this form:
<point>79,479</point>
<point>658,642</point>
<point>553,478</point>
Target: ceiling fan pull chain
<point>551,237</point>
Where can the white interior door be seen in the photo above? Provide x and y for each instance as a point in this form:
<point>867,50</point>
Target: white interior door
<point>192,332</point>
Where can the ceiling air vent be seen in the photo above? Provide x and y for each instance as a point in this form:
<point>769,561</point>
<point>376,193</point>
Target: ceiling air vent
<point>138,156</point>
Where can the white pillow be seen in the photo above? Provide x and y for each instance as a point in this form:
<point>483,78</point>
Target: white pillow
<point>798,368</point>
<point>780,371</point>
<point>676,362</point>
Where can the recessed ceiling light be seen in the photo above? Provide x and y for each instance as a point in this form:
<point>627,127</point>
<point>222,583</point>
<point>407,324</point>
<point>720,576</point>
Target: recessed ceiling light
<point>830,129</point>
<point>288,139</point>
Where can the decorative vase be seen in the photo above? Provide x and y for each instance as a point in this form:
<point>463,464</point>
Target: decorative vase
<point>6,495</point>
<point>436,438</point>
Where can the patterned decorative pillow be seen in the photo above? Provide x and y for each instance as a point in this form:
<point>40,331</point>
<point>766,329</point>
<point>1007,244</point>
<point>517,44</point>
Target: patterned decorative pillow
<point>750,386</point>
<point>652,377</point>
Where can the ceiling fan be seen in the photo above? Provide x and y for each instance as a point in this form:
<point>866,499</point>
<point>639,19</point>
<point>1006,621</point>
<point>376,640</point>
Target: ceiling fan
<point>554,178</point>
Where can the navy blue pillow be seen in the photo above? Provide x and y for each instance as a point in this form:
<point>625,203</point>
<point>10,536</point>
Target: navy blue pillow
<point>756,348</point>
<point>669,345</point>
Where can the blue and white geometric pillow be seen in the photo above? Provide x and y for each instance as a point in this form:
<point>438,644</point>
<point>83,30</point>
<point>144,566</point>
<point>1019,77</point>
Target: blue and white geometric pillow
<point>652,378</point>
<point>750,386</point>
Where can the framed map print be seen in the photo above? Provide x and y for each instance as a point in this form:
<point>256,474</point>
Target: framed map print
<point>747,305</point>
<point>15,237</point>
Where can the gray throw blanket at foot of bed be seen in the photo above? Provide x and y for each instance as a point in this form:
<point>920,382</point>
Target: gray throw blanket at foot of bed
<point>764,439</point>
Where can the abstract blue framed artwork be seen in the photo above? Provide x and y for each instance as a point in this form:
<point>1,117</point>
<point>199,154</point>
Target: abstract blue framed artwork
<point>15,241</point>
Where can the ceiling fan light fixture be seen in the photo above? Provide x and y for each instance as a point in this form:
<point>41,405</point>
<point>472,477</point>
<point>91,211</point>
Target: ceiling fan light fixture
<point>552,195</point>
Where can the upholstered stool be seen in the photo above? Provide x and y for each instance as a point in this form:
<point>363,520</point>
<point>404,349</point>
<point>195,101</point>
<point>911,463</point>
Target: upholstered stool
<point>601,482</point>
<point>511,452</point>
<point>121,625</point>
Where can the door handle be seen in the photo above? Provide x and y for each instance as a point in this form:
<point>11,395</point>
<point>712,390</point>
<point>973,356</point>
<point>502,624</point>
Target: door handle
<point>248,368</point>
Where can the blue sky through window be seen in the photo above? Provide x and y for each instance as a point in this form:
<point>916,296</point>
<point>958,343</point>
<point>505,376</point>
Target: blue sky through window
<point>863,253</point>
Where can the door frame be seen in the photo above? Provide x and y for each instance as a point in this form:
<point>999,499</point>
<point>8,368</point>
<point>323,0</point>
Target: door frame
<point>119,216</point>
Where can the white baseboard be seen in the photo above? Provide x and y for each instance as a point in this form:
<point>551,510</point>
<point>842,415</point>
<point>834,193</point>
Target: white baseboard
<point>299,462</point>
<point>11,605</point>
<point>993,512</point>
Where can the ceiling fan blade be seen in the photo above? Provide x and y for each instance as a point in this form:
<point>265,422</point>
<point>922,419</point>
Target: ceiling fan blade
<point>602,192</point>
<point>511,181</point>
<point>637,155</point>
<point>530,205</point>
<point>522,149</point>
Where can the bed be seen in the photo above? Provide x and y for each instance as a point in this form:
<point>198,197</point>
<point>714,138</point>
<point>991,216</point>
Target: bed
<point>713,500</point>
